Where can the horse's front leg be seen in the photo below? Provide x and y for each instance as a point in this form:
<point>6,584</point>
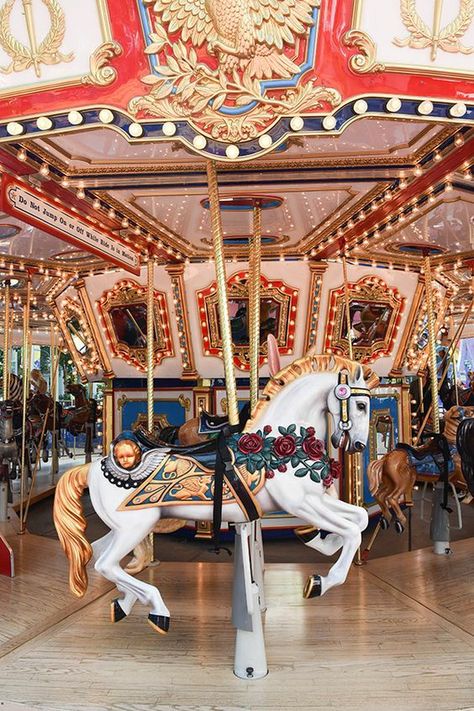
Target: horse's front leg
<point>316,511</point>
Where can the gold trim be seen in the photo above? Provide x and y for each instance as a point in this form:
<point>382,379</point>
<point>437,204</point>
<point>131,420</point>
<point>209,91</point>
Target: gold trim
<point>92,323</point>
<point>408,331</point>
<point>317,269</point>
<point>101,73</point>
<point>366,60</point>
<point>70,343</point>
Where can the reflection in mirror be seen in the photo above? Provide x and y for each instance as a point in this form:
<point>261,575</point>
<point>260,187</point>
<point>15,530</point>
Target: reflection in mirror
<point>77,335</point>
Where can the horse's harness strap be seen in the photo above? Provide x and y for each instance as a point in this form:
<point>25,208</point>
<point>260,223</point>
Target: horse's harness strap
<point>224,469</point>
<point>343,392</point>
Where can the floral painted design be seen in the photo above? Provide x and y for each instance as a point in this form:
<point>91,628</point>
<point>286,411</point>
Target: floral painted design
<point>303,451</point>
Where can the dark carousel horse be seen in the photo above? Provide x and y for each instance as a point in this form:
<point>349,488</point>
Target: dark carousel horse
<point>9,454</point>
<point>82,417</point>
<point>465,447</point>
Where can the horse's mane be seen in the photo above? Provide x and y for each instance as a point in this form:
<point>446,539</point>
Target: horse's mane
<point>310,363</point>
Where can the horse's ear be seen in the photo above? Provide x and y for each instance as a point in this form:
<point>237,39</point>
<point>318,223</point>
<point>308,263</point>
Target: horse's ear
<point>274,365</point>
<point>359,373</point>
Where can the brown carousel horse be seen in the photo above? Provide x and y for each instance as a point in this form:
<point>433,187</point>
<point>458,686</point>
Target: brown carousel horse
<point>82,417</point>
<point>393,476</point>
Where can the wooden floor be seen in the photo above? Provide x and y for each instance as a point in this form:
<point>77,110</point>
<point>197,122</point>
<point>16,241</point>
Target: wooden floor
<point>399,635</point>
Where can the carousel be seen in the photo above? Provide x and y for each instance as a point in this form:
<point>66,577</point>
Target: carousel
<point>236,316</point>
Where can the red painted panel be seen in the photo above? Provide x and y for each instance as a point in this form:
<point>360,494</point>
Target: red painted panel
<point>6,559</point>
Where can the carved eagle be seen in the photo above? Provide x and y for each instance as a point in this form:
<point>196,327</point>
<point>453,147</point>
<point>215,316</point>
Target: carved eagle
<point>244,34</point>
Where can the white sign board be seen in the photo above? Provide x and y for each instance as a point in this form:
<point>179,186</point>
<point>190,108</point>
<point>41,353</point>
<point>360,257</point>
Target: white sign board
<point>60,223</point>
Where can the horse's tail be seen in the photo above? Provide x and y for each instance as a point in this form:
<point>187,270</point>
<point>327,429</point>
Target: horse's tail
<point>71,524</point>
<point>465,447</point>
<point>374,474</point>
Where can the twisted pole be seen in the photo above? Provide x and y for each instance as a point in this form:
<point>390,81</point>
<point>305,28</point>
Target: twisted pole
<point>432,343</point>
<point>26,389</point>
<point>149,343</point>
<point>6,343</point>
<point>222,299</point>
<point>255,250</point>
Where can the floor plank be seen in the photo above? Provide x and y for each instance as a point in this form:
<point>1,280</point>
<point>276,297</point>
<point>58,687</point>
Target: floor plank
<point>375,642</point>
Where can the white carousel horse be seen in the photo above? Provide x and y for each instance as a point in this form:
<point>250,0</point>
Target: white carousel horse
<point>296,400</point>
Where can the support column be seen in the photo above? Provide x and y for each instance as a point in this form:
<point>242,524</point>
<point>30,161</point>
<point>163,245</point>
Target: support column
<point>107,417</point>
<point>317,270</point>
<point>26,389</point>
<point>176,272</point>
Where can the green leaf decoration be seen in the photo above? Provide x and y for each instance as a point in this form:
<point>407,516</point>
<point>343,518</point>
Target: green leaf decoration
<point>315,477</point>
<point>282,430</point>
<point>301,472</point>
<point>291,429</point>
<point>295,460</point>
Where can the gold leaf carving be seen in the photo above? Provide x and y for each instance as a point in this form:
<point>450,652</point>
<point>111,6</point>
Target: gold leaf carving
<point>185,87</point>
<point>47,52</point>
<point>101,73</point>
<point>366,60</point>
<point>448,38</point>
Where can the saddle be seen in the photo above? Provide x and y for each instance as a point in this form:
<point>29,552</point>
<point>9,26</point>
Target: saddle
<point>211,424</point>
<point>433,460</point>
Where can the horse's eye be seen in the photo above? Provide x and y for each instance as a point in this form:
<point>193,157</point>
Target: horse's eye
<point>362,406</point>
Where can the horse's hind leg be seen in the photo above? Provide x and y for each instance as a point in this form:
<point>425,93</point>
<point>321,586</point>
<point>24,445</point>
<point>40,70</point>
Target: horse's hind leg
<point>108,565</point>
<point>314,510</point>
<point>119,608</point>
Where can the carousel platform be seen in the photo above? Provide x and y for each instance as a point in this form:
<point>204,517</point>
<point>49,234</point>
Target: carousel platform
<point>399,634</point>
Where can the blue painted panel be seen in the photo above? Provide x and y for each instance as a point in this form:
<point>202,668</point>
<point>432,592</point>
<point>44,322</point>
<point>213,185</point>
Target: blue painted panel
<point>173,410</point>
<point>390,403</point>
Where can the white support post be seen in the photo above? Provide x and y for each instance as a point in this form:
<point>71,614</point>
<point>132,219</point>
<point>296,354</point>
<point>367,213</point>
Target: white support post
<point>250,661</point>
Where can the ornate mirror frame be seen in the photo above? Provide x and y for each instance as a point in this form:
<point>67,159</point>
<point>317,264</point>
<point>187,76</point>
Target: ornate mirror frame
<point>88,363</point>
<point>284,296</point>
<point>126,293</point>
<point>370,292</point>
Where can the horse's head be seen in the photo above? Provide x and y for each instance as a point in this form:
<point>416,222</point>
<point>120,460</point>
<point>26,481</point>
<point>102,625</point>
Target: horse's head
<point>349,406</point>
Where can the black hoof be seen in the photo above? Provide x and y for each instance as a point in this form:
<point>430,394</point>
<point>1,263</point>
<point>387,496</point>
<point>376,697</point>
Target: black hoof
<point>384,524</point>
<point>307,533</point>
<point>116,612</point>
<point>399,527</point>
<point>313,587</point>
<point>159,623</point>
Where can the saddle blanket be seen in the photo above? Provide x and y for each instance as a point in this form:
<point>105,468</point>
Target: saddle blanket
<point>432,464</point>
<point>179,480</point>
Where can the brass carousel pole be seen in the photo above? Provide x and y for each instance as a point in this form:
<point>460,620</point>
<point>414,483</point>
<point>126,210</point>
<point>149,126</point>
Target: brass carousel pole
<point>354,483</point>
<point>150,352</point>
<point>432,343</point>
<point>26,388</point>
<point>52,391</point>
<point>223,305</point>
<point>254,302</point>
<point>248,581</point>
<point>150,356</point>
<point>6,343</point>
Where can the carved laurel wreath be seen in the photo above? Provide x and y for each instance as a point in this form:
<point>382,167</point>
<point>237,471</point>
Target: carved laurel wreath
<point>48,51</point>
<point>421,35</point>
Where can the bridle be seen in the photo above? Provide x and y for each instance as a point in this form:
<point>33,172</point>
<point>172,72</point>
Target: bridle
<point>343,392</point>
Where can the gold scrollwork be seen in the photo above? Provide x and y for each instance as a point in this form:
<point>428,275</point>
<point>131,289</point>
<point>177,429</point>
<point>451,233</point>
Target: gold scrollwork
<point>101,73</point>
<point>47,52</point>
<point>185,402</point>
<point>123,399</point>
<point>366,60</point>
<point>446,38</point>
